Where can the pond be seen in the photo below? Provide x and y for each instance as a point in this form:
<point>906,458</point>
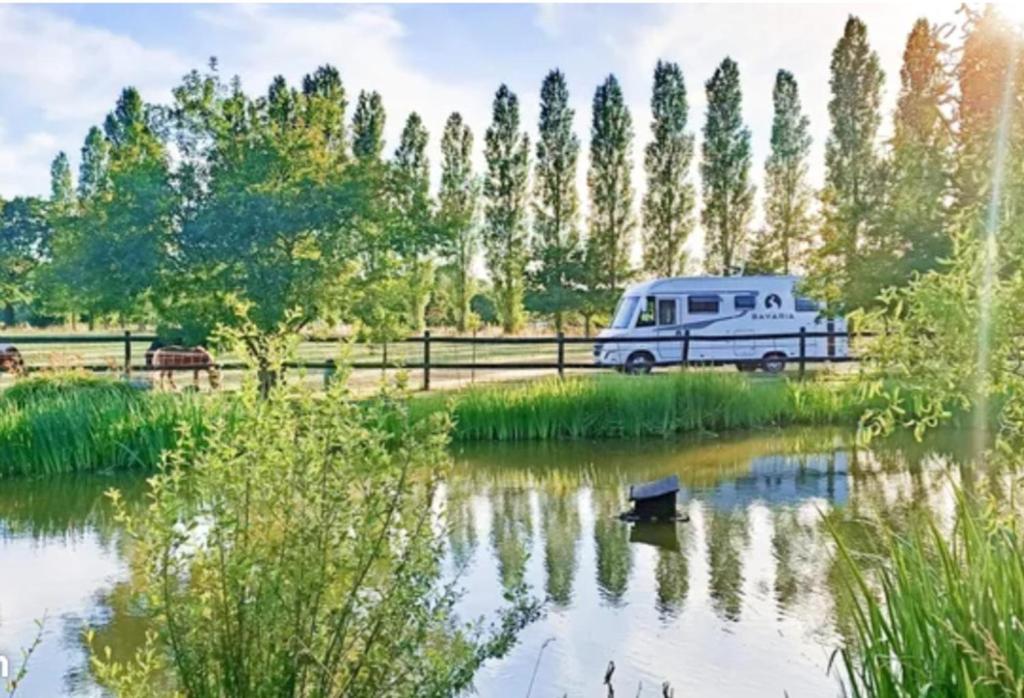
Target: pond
<point>744,599</point>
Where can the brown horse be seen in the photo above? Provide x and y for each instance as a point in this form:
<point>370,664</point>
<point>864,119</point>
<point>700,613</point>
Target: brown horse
<point>167,359</point>
<point>11,360</point>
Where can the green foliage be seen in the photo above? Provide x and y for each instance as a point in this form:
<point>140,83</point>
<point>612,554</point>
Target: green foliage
<point>458,207</point>
<point>782,246</point>
<point>507,151</point>
<point>669,200</point>
<point>853,175</point>
<point>624,406</point>
<point>297,555</point>
<point>368,127</point>
<point>78,423</point>
<point>942,618</point>
<point>24,233</point>
<point>725,173</point>
<point>557,252</point>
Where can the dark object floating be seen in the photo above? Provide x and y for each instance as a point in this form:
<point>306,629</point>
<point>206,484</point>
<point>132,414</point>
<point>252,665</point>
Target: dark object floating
<point>654,501</point>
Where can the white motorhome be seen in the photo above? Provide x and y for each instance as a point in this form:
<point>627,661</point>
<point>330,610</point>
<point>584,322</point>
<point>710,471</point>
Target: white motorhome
<point>717,306</point>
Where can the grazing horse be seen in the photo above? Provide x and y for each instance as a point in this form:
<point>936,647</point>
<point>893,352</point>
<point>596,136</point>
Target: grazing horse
<point>167,359</point>
<point>11,360</point>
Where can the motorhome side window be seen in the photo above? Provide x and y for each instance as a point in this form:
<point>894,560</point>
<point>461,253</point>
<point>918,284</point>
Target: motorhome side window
<point>702,305</point>
<point>746,301</point>
<point>666,311</point>
<point>805,305</point>
<point>647,317</point>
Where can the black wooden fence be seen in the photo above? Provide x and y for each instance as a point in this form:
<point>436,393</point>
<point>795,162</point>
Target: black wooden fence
<point>426,364</point>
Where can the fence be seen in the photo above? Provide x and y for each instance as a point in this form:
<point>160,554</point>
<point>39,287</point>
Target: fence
<point>427,362</point>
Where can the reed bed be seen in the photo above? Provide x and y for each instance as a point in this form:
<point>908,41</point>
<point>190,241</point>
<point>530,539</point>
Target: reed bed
<point>944,615</point>
<point>624,406</point>
<point>75,423</point>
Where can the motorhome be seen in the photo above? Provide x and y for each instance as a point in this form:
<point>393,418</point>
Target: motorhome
<point>677,312</point>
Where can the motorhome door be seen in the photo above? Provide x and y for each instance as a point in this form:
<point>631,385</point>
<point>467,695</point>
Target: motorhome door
<point>669,330</point>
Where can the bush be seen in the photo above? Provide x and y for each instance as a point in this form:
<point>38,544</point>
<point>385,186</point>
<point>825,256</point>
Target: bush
<point>298,555</point>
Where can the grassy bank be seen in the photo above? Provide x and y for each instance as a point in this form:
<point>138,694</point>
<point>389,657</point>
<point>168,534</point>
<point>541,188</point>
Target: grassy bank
<point>623,406</point>
<point>77,423</point>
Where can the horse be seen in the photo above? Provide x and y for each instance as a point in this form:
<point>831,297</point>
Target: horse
<point>11,360</point>
<point>167,359</point>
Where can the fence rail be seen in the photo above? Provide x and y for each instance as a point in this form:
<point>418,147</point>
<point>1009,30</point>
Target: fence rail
<point>427,341</point>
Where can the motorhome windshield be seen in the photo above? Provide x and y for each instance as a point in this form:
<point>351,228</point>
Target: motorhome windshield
<point>624,312</point>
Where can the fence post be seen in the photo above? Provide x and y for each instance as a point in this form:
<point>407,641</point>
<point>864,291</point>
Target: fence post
<point>426,360</point>
<point>561,354</point>
<point>127,353</point>
<point>686,350</point>
<point>803,350</point>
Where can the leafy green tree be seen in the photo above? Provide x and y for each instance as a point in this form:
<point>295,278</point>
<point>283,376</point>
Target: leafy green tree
<point>94,169</point>
<point>611,198</point>
<point>725,172</point>
<point>507,152</point>
<point>411,185</point>
<point>270,246</point>
<point>779,249</point>
<point>669,200</point>
<point>459,201</point>
<point>853,176</point>
<point>24,229</point>
<point>62,185</point>
<point>557,250</point>
<point>915,215</point>
<point>368,127</point>
<point>325,105</point>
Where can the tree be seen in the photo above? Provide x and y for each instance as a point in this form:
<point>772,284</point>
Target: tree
<point>787,206</point>
<point>915,212</point>
<point>62,186</point>
<point>507,151</point>
<point>458,210</point>
<point>556,205</point>
<point>325,103</point>
<point>725,170</point>
<point>853,178</point>
<point>611,198</point>
<point>669,201</point>
<point>269,248</point>
<point>368,127</point>
<point>94,170</point>
<point>411,184</point>
<point>24,228</point>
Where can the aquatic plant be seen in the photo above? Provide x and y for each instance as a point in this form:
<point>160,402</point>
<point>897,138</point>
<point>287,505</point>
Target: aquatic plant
<point>625,406</point>
<point>943,616</point>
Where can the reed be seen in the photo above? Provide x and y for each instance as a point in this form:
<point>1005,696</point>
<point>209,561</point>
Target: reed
<point>71,423</point>
<point>623,406</point>
<point>943,617</point>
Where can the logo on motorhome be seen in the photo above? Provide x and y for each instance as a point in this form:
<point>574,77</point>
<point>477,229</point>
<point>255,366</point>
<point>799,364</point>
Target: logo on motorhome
<point>772,300</point>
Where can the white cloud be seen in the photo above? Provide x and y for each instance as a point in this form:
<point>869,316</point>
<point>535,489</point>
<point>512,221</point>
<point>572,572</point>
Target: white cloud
<point>21,172</point>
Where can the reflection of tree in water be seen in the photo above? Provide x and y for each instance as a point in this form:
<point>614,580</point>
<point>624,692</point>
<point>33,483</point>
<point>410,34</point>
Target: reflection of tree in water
<point>727,536</point>
<point>673,574</point>
<point>614,555</point>
<point>511,531</point>
<point>461,527</point>
<point>560,519</point>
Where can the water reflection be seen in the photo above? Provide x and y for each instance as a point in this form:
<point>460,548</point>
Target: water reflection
<point>750,581</point>
<point>744,599</point>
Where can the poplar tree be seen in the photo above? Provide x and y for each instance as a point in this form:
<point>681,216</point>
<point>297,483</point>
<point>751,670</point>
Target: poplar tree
<point>611,197</point>
<point>368,127</point>
<point>853,178</point>
<point>725,170</point>
<point>507,152</point>
<point>458,200</point>
<point>414,243</point>
<point>920,163</point>
<point>780,247</point>
<point>94,169</point>
<point>325,104</point>
<point>669,201</point>
<point>62,186</point>
<point>557,248</point>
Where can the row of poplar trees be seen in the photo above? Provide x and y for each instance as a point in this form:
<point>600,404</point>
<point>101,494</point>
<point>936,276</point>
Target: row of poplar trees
<point>280,211</point>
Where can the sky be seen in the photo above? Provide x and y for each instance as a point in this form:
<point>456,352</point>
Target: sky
<point>63,66</point>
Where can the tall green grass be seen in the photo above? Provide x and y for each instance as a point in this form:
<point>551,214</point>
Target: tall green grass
<point>945,616</point>
<point>74,423</point>
<point>624,406</point>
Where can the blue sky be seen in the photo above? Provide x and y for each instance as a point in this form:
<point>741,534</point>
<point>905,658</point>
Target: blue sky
<point>63,66</point>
